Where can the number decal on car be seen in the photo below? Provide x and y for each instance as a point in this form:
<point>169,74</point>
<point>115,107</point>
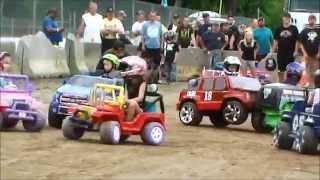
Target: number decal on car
<point>208,96</point>
<point>191,93</point>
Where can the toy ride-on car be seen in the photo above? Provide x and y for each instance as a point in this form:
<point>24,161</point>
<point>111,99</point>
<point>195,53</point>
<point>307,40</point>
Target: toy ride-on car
<point>74,91</point>
<point>225,99</point>
<point>299,128</point>
<point>107,110</point>
<point>273,100</point>
<point>16,103</point>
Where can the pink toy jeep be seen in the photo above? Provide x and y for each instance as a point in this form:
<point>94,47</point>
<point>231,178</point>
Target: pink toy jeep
<point>16,103</point>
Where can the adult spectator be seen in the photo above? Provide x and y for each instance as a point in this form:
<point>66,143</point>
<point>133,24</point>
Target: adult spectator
<point>195,27</point>
<point>214,41</point>
<point>173,26</point>
<point>137,28</point>
<point>152,39</point>
<point>118,49</point>
<point>110,30</point>
<point>184,33</point>
<point>50,27</point>
<point>90,25</point>
<point>285,43</point>
<point>264,38</point>
<point>204,28</point>
<point>233,35</point>
<point>121,16</point>
<point>310,43</point>
<point>253,25</point>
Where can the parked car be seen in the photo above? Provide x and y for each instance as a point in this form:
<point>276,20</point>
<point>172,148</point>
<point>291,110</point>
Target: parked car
<point>74,91</point>
<point>225,99</point>
<point>17,104</point>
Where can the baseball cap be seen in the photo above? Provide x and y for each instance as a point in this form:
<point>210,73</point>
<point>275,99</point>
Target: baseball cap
<point>205,15</point>
<point>109,9</point>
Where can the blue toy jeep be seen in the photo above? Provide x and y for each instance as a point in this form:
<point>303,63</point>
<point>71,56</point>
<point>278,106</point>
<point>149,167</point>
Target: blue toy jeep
<point>74,91</point>
<point>299,128</point>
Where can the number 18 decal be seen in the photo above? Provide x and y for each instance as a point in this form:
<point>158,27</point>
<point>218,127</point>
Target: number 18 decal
<point>208,95</point>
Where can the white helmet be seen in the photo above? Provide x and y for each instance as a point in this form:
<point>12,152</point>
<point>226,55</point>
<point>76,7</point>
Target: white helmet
<point>232,60</point>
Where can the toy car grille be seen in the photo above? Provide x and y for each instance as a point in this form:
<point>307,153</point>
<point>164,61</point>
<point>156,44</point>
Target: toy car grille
<point>22,106</point>
<point>69,100</point>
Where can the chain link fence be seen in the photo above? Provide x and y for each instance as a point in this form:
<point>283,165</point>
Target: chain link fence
<point>21,17</point>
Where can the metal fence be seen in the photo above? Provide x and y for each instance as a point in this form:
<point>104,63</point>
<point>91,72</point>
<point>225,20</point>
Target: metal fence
<point>21,17</point>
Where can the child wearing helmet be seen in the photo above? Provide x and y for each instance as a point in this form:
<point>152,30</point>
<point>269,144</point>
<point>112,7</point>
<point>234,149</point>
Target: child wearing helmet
<point>294,72</point>
<point>231,66</point>
<point>170,50</point>
<point>314,97</point>
<point>110,66</point>
<point>5,62</point>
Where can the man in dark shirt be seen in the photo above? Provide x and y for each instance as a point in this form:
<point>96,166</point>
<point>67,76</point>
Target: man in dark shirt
<point>184,33</point>
<point>285,43</point>
<point>310,41</point>
<point>233,35</point>
<point>214,41</point>
<point>203,28</point>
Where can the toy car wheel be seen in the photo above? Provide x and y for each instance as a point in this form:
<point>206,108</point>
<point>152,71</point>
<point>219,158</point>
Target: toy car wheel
<point>7,124</point>
<point>110,132</point>
<point>189,114</point>
<point>217,120</point>
<point>234,113</point>
<point>153,134</point>
<point>257,121</point>
<point>281,138</point>
<point>70,131</point>
<point>36,125</point>
<point>54,119</point>
<point>308,142</point>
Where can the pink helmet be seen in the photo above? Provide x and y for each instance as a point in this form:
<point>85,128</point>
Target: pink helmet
<point>137,65</point>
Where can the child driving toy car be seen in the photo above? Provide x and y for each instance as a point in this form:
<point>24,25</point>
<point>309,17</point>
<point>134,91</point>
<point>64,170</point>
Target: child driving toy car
<point>231,66</point>
<point>5,62</point>
<point>314,97</point>
<point>294,72</point>
<point>110,65</point>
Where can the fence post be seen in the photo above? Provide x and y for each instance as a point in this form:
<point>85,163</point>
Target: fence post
<point>133,10</point>
<point>114,4</point>
<point>12,27</point>
<point>1,16</point>
<point>74,21</point>
<point>34,16</point>
<point>61,13</point>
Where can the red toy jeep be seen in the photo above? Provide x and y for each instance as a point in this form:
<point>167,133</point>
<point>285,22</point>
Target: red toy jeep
<point>225,99</point>
<point>106,110</point>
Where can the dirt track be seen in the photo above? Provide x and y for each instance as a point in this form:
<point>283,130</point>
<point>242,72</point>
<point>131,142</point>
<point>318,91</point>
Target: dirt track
<point>201,152</point>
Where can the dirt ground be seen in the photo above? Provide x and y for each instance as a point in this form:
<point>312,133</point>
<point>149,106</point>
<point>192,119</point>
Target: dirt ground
<point>202,152</point>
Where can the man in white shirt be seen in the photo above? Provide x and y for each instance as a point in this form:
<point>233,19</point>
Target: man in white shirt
<point>90,25</point>
<point>137,27</point>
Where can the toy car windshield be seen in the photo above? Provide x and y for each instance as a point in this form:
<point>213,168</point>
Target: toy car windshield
<point>245,83</point>
<point>10,83</point>
<point>90,81</point>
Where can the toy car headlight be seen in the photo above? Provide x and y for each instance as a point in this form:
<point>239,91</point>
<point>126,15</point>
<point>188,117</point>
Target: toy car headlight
<point>309,120</point>
<point>152,88</point>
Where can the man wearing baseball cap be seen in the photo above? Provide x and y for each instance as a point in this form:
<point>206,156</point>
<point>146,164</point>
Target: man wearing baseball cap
<point>310,43</point>
<point>110,30</point>
<point>285,44</point>
<point>203,28</point>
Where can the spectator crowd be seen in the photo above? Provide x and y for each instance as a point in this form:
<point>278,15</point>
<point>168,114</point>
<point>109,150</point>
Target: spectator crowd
<point>160,44</point>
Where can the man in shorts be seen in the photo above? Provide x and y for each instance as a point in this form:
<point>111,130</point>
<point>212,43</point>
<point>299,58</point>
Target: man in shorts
<point>310,42</point>
<point>285,43</point>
